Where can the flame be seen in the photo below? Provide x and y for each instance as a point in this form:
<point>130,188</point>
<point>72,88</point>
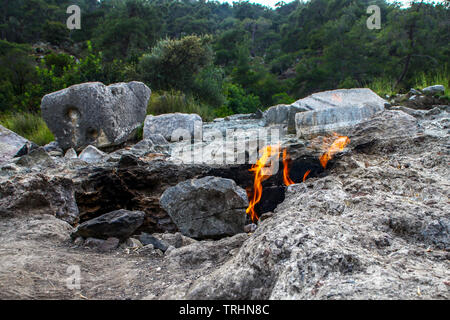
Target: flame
<point>338,145</point>
<point>262,172</point>
<point>306,174</point>
<point>286,161</point>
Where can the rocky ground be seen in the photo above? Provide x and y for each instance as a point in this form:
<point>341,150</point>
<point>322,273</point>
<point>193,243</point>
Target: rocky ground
<point>373,225</point>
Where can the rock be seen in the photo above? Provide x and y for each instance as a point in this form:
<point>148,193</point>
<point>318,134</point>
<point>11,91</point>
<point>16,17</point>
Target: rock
<point>415,92</point>
<point>335,111</point>
<point>91,154</point>
<point>109,244</point>
<point>102,245</point>
<point>201,252</point>
<point>120,224</point>
<point>209,207</point>
<point>12,145</point>
<point>52,146</point>
<point>172,126</point>
<point>133,243</point>
<point>71,154</point>
<point>434,89</point>
<point>157,139</point>
<point>438,233</point>
<point>341,119</point>
<point>37,194</point>
<point>36,158</point>
<point>283,114</point>
<point>94,114</point>
<point>176,240</point>
<point>250,228</point>
<point>341,98</point>
<point>146,239</point>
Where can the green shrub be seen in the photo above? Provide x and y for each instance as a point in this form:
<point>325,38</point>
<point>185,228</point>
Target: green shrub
<point>28,125</point>
<point>238,101</point>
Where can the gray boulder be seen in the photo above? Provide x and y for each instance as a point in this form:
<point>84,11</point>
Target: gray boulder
<point>341,98</point>
<point>283,114</point>
<point>12,145</point>
<point>95,114</point>
<point>434,89</point>
<point>174,125</point>
<point>209,207</point>
<point>119,224</point>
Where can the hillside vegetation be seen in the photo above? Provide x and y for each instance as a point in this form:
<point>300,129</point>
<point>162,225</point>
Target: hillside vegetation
<point>213,58</point>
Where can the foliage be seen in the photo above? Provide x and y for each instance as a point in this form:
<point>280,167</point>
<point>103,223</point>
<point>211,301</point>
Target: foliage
<point>175,101</point>
<point>28,125</point>
<point>222,58</point>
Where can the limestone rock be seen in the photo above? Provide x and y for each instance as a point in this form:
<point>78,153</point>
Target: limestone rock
<point>174,125</point>
<point>209,207</point>
<point>283,114</point>
<point>12,145</point>
<point>434,89</point>
<point>91,154</point>
<point>94,114</point>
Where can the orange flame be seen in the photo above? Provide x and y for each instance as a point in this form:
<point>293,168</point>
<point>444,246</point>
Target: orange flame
<point>262,172</point>
<point>286,160</point>
<point>338,145</point>
<point>306,174</point>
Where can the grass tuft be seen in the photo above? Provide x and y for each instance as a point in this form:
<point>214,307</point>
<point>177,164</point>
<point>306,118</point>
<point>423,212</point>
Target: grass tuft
<point>28,125</point>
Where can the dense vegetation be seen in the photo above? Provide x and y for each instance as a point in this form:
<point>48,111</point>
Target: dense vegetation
<point>214,58</point>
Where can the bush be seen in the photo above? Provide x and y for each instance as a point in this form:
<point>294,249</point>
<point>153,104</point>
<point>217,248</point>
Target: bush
<point>28,125</point>
<point>175,63</point>
<point>238,101</point>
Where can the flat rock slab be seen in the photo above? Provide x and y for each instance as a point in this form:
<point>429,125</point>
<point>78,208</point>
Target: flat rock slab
<point>340,98</point>
<point>173,126</point>
<point>118,224</point>
<point>12,145</point>
<point>94,114</point>
<point>209,207</point>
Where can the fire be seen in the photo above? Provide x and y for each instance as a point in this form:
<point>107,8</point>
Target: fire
<point>262,173</point>
<point>263,169</point>
<point>286,160</point>
<point>306,174</point>
<point>338,145</point>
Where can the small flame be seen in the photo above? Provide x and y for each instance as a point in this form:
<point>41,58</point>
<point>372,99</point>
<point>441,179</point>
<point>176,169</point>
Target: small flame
<point>338,145</point>
<point>286,160</point>
<point>306,174</point>
<point>262,172</point>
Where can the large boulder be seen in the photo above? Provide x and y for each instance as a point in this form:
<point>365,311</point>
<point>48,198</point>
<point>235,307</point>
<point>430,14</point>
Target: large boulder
<point>94,114</point>
<point>119,224</point>
<point>336,110</point>
<point>340,98</point>
<point>209,207</point>
<point>12,145</point>
<point>173,126</point>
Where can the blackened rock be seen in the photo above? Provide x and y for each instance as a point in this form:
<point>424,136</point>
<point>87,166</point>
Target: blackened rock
<point>146,239</point>
<point>120,224</point>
